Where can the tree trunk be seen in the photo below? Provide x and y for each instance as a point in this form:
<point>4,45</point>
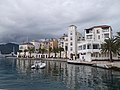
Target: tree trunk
<point>60,54</point>
<point>19,54</point>
<point>55,55</point>
<point>111,57</point>
<point>24,54</point>
<point>30,54</point>
<point>49,54</point>
<point>65,54</point>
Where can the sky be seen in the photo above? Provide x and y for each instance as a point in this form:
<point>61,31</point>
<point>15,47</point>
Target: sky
<point>36,19</point>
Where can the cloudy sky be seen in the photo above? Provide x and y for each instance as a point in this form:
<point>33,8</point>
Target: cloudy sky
<point>37,19</point>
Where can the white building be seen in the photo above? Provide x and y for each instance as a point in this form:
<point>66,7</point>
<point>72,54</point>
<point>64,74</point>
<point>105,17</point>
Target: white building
<point>72,41</point>
<point>24,49</point>
<point>98,33</point>
<point>36,45</point>
<point>73,38</point>
<point>69,42</point>
<point>90,48</point>
<point>63,41</point>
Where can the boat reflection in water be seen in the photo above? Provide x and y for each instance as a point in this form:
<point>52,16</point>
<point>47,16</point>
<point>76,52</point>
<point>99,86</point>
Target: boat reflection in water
<point>73,77</point>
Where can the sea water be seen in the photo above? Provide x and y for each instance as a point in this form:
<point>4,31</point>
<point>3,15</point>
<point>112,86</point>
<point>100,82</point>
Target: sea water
<point>17,75</point>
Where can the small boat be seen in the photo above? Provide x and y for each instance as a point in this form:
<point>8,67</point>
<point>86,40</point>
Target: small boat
<point>38,65</point>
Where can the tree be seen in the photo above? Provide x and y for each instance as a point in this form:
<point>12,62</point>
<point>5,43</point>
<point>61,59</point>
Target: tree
<point>49,51</point>
<point>55,50</point>
<point>31,50</point>
<point>19,51</point>
<point>66,49</point>
<point>43,50</point>
<point>118,35</point>
<point>118,42</point>
<point>25,52</point>
<point>60,49</point>
<point>109,47</point>
<point>39,50</point>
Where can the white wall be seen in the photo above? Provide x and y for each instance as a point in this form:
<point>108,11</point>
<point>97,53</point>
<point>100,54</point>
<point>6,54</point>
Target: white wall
<point>72,29</point>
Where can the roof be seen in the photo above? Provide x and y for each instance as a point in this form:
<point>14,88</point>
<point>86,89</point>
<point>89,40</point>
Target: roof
<point>101,26</point>
<point>35,41</point>
<point>72,26</point>
<point>64,35</point>
<point>27,43</point>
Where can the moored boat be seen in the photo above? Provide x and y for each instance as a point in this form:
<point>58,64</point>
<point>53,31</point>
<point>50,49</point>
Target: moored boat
<point>38,65</point>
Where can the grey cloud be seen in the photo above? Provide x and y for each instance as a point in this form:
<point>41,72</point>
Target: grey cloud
<point>50,18</point>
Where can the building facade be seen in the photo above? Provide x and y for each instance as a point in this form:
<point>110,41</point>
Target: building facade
<point>90,48</point>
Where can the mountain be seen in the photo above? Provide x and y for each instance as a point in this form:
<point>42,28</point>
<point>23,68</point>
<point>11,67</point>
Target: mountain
<point>8,48</point>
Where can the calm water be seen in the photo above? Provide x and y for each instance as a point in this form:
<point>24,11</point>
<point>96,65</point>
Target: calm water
<point>17,75</point>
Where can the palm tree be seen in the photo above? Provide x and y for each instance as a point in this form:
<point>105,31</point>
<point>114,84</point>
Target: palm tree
<point>39,50</point>
<point>118,42</point>
<point>109,47</point>
<point>31,50</point>
<point>49,51</point>
<point>118,34</point>
<point>60,49</point>
<point>66,49</point>
<point>55,50</point>
<point>19,51</point>
<point>43,50</point>
<point>25,52</point>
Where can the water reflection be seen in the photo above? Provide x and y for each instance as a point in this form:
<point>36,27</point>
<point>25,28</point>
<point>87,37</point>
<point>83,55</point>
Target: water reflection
<point>74,77</point>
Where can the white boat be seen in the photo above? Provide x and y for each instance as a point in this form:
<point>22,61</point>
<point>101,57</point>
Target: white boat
<point>38,65</point>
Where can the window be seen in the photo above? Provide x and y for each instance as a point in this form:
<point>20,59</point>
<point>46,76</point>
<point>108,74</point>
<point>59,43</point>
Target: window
<point>98,36</point>
<point>80,47</point>
<point>98,31</point>
<point>70,33</point>
<point>66,44</point>
<point>95,46</point>
<point>66,48</point>
<point>70,43</point>
<point>21,47</point>
<point>84,47</point>
<point>105,30</point>
<point>106,35</point>
<point>62,42</point>
<point>71,49</point>
<point>70,38</point>
<point>88,31</point>
<point>89,36</point>
<point>89,46</point>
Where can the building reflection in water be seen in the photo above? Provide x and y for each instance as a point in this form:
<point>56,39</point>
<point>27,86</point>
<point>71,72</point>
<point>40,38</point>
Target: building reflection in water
<point>74,77</point>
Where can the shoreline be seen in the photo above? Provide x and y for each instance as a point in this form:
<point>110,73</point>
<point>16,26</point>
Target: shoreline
<point>115,65</point>
<point>46,59</point>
